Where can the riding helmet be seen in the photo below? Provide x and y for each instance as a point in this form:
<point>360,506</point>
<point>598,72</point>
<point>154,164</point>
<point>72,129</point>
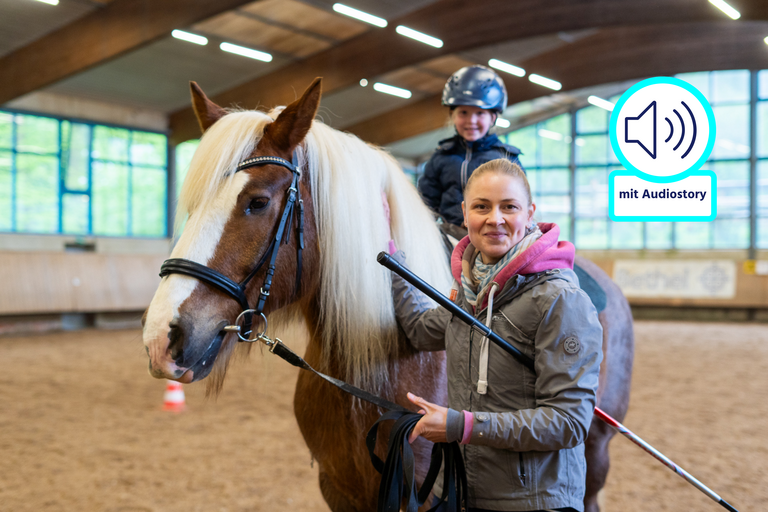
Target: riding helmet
<point>476,86</point>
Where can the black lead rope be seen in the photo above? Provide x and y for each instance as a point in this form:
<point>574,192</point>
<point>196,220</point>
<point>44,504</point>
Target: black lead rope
<point>398,472</point>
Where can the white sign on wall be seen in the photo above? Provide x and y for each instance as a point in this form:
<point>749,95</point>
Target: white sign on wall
<point>683,279</point>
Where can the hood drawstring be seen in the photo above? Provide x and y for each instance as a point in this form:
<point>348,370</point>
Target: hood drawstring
<point>482,381</point>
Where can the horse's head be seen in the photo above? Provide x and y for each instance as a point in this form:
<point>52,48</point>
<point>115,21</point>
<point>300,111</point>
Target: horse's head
<point>232,220</point>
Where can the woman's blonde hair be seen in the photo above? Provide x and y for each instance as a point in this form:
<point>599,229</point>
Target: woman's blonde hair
<point>501,166</point>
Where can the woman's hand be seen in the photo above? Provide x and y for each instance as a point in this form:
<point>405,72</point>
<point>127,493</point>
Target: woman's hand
<point>432,425</point>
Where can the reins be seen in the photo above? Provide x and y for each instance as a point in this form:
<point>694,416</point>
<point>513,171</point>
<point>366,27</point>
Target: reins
<point>398,471</point>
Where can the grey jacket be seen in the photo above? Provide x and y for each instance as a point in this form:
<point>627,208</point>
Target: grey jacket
<point>527,446</point>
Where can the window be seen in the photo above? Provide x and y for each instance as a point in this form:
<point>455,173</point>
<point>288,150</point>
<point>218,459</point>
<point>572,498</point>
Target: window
<point>61,176</point>
<point>546,145</point>
<point>546,157</point>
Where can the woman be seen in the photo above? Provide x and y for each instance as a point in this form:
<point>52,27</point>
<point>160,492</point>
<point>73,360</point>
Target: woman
<point>476,96</point>
<point>524,432</point>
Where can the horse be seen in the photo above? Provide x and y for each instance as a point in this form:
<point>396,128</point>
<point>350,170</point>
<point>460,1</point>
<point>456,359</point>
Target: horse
<point>336,289</point>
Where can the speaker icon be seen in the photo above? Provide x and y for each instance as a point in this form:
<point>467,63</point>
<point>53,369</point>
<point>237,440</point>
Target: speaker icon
<point>644,128</point>
<point>641,129</point>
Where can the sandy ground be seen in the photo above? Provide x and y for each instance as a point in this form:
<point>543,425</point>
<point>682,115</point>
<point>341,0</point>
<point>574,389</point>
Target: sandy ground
<point>82,428</point>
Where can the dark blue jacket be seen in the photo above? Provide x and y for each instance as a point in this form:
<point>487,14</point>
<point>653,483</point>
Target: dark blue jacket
<point>447,172</point>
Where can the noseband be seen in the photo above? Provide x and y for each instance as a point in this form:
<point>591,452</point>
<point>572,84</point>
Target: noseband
<point>237,290</point>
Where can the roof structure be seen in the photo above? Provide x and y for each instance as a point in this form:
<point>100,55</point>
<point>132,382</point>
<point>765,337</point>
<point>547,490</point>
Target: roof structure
<point>121,52</point>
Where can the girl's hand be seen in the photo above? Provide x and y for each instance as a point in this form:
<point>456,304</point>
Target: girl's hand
<point>432,425</point>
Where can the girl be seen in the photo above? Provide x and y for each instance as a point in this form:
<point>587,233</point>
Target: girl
<point>476,96</point>
<point>523,432</point>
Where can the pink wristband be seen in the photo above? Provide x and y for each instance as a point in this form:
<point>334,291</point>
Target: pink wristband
<point>469,420</point>
<point>392,248</point>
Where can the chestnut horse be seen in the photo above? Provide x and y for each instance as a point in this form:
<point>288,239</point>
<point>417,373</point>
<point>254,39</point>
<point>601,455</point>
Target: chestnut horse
<point>344,296</point>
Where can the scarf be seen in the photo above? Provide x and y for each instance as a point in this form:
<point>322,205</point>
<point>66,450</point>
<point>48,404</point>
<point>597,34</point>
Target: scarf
<point>476,276</point>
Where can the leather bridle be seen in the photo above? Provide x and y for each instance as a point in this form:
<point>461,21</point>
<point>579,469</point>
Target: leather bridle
<point>237,290</point>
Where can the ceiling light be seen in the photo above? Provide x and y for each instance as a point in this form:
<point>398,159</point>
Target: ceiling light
<point>546,82</point>
<point>508,68</point>
<point>414,34</point>
<point>600,102</point>
<point>49,2</point>
<point>363,82</point>
<point>766,40</point>
<point>548,134</point>
<point>360,15</point>
<point>394,91</point>
<point>246,52</point>
<point>192,38</point>
<point>502,123</point>
<point>727,9</point>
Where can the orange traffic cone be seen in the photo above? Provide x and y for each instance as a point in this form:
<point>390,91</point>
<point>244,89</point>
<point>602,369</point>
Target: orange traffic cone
<point>174,397</point>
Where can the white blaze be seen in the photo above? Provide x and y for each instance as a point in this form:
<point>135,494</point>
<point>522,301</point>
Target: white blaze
<point>197,243</point>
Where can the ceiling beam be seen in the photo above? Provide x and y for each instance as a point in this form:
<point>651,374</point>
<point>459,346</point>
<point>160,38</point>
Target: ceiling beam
<point>462,26</point>
<point>611,55</point>
<point>105,33</point>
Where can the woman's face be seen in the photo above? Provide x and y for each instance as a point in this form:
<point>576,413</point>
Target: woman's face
<point>472,123</point>
<point>496,213</point>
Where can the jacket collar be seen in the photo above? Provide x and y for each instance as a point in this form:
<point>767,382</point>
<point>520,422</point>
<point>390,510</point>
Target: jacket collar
<point>457,142</point>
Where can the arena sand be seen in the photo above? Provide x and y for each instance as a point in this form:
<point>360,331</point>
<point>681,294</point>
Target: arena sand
<point>82,428</point>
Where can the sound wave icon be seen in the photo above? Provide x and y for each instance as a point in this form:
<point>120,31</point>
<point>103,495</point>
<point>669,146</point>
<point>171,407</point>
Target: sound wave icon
<point>646,128</point>
<point>682,129</point>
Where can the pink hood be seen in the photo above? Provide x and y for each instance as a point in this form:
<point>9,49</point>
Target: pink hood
<point>545,254</point>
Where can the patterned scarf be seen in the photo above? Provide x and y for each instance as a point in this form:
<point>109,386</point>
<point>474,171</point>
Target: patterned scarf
<point>476,275</point>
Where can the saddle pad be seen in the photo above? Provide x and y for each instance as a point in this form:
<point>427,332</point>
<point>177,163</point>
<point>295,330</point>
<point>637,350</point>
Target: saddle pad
<point>589,285</point>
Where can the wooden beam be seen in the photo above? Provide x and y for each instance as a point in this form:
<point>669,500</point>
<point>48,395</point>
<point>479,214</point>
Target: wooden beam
<point>611,55</point>
<point>102,35</point>
<point>462,26</point>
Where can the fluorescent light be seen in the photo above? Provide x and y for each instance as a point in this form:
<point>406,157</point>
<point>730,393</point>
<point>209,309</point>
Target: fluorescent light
<point>600,102</point>
<point>394,91</point>
<point>363,82</point>
<point>546,82</point>
<point>547,134</point>
<point>192,38</point>
<point>246,52</point>
<point>509,68</point>
<point>727,9</point>
<point>766,40</point>
<point>360,15</point>
<point>502,123</point>
<point>423,38</point>
<point>49,2</point>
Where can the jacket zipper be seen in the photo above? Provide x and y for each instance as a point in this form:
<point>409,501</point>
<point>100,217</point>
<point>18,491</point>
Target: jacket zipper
<point>464,167</point>
<point>522,468</point>
<point>471,334</point>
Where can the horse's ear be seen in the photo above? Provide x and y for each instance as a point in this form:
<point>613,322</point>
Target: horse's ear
<point>207,112</point>
<point>293,123</point>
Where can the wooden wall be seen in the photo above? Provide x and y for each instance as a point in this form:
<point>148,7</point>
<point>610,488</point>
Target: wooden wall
<point>59,282</point>
<point>751,290</point>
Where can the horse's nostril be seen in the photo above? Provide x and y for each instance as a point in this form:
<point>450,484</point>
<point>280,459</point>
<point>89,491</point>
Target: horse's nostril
<point>176,345</point>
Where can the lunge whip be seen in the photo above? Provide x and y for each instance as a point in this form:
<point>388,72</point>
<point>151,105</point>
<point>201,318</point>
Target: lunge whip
<point>389,262</point>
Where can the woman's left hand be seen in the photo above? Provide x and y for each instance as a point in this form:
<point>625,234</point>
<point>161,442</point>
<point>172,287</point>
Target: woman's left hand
<point>432,425</point>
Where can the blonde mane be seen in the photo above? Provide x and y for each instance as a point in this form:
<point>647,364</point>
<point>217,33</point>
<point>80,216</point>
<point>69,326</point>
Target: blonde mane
<point>347,177</point>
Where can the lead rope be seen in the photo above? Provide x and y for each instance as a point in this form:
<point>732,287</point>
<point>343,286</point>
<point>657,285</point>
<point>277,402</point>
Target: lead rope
<point>398,472</point>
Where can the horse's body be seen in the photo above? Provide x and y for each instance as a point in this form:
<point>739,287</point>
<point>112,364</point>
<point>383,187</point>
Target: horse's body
<point>343,296</point>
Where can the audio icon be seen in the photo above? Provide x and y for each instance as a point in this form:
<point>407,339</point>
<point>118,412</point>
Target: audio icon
<point>642,129</point>
<point>662,130</point>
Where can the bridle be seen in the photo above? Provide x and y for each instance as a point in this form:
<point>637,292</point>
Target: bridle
<point>237,290</point>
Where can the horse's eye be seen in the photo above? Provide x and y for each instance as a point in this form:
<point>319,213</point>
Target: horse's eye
<point>256,204</point>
